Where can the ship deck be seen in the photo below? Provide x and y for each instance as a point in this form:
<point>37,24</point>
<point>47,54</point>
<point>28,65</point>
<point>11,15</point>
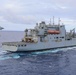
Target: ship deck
<point>13,43</point>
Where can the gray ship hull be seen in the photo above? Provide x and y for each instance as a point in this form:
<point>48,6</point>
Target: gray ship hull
<point>38,46</point>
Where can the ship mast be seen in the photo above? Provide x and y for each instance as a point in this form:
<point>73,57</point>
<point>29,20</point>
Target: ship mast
<point>53,20</point>
<point>50,21</point>
<point>59,21</point>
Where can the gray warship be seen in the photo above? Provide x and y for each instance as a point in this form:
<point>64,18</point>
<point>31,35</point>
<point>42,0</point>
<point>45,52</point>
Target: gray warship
<point>43,37</point>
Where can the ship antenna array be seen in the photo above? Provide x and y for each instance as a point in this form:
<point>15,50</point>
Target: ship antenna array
<point>59,21</point>
<point>54,22</point>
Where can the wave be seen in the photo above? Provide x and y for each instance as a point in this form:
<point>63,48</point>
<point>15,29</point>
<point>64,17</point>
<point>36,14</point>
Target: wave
<point>4,55</point>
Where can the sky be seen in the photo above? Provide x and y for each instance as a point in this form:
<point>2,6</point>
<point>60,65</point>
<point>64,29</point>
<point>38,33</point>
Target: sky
<point>18,15</point>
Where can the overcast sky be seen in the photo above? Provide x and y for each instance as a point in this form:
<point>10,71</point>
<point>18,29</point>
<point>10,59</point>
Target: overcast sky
<point>22,14</point>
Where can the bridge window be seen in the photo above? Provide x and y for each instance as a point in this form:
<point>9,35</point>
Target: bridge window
<point>57,37</point>
<point>61,37</point>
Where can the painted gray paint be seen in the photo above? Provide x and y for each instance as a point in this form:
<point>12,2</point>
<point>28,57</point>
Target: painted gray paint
<point>48,40</point>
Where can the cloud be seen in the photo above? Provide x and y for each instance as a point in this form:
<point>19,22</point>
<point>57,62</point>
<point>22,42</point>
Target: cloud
<point>29,12</point>
<point>19,19</point>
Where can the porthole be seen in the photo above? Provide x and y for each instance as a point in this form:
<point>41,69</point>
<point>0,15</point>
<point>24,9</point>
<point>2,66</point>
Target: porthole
<point>21,45</point>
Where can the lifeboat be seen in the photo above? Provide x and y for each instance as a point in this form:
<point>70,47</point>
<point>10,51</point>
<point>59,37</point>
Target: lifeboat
<point>53,31</point>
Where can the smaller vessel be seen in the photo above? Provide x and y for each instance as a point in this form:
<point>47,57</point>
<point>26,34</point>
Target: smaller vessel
<point>43,37</point>
<point>1,28</point>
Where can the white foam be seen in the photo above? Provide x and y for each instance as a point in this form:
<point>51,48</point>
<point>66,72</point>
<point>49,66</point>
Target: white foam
<point>54,50</point>
<point>16,57</point>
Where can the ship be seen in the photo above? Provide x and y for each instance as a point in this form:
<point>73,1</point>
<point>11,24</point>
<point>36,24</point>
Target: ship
<point>1,28</point>
<point>43,37</point>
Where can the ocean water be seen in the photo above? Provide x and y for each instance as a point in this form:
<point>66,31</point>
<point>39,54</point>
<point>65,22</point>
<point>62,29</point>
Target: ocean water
<point>51,62</point>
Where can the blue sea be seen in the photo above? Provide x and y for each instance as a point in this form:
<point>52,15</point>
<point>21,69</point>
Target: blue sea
<point>51,62</point>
